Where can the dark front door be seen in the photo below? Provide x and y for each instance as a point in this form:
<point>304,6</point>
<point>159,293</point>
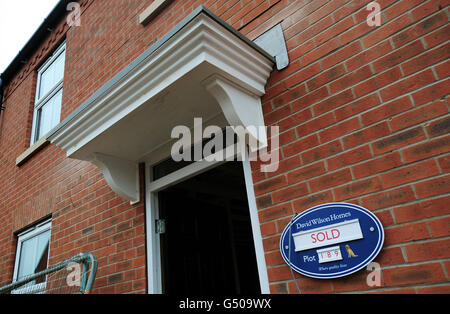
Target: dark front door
<point>208,246</point>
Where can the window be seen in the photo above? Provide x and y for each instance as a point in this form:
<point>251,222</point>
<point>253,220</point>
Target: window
<point>47,109</point>
<point>32,255</point>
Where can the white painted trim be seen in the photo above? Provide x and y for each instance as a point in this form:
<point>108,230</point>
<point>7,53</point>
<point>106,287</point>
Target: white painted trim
<point>194,169</point>
<point>154,272</point>
<point>182,175</point>
<point>153,240</point>
<point>256,227</point>
<point>121,175</point>
<point>240,107</point>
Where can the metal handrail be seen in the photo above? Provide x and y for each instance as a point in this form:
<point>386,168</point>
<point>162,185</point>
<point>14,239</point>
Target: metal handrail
<point>86,283</point>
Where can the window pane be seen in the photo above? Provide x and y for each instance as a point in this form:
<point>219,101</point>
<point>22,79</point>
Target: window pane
<point>26,255</point>
<point>49,115</point>
<point>59,68</point>
<point>42,254</point>
<point>34,254</point>
<point>52,76</point>
<point>45,83</point>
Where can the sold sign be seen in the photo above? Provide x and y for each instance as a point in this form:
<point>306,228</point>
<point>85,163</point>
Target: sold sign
<point>332,234</point>
<point>331,240</point>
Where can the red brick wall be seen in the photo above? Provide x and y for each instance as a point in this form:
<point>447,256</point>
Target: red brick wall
<point>363,115</point>
<point>364,118</point>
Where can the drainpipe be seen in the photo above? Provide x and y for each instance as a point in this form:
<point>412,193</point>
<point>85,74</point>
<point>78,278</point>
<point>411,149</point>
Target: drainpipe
<point>1,94</point>
<point>1,105</point>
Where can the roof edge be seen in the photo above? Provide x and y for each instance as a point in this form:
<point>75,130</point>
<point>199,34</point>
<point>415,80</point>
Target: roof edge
<point>36,39</point>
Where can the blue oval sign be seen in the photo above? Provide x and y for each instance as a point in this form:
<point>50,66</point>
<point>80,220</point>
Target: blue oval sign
<point>331,240</point>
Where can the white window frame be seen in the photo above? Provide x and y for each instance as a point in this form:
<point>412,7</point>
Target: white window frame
<point>22,237</point>
<point>41,101</point>
<point>154,268</point>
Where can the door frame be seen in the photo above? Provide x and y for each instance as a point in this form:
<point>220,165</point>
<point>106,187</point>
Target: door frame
<point>154,271</point>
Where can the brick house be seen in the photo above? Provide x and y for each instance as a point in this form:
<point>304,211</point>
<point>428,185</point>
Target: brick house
<point>363,117</point>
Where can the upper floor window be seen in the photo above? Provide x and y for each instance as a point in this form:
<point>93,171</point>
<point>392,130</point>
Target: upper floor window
<point>47,108</point>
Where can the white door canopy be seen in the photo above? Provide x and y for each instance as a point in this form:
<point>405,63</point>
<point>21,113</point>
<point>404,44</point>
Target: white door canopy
<point>202,68</point>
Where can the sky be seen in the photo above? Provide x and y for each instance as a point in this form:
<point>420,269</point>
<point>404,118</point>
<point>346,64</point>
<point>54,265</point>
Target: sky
<point>19,19</point>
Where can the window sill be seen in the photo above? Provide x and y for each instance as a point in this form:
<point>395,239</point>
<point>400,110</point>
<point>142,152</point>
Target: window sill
<point>30,152</point>
<point>152,11</point>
